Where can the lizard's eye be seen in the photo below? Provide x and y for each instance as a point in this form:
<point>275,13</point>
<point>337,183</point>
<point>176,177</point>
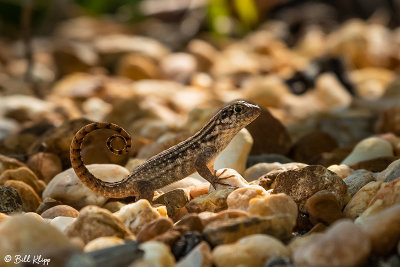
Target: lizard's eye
<point>238,109</point>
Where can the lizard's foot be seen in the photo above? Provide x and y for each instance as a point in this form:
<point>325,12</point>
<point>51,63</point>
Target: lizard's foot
<point>217,178</point>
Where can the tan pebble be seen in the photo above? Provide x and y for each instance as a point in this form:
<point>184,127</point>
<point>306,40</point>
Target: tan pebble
<point>154,228</point>
<point>383,229</point>
<point>208,217</point>
<point>137,214</point>
<point>21,234</point>
<point>251,251</point>
<point>273,204</point>
<point>3,216</point>
<point>103,242</point>
<point>359,202</point>
<point>113,206</point>
<point>387,196</point>
<point>60,210</point>
<point>343,244</point>
<point>240,198</point>
<point>45,165</point>
<point>155,254</point>
<point>369,148</point>
<point>9,163</point>
<point>199,190</point>
<point>25,175</point>
<point>342,170</point>
<point>94,222</point>
<point>62,223</point>
<point>46,204</point>
<point>30,200</point>
<point>67,188</point>
<point>214,201</point>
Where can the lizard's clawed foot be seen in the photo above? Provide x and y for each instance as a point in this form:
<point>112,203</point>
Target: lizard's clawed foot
<point>217,179</point>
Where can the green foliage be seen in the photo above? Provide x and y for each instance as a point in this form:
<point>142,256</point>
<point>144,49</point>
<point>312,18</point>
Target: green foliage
<point>232,16</point>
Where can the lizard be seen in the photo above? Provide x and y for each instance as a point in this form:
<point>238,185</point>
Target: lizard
<point>197,153</point>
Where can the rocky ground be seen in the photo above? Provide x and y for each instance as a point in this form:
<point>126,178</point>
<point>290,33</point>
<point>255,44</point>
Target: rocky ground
<point>315,179</point>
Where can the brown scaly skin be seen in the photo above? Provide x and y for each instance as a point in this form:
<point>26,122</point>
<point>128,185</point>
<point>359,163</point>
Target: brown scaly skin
<point>196,153</point>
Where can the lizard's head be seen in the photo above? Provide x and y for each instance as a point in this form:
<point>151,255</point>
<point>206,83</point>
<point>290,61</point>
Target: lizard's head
<point>237,114</point>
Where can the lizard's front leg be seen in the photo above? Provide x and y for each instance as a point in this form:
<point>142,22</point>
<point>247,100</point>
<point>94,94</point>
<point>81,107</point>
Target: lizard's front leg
<point>204,166</point>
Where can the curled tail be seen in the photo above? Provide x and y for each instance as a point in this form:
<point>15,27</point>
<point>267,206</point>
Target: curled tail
<point>117,189</point>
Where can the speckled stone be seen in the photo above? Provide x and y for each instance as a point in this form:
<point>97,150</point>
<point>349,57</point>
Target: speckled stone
<point>173,200</point>
<point>303,183</point>
<point>10,200</point>
<point>30,200</point>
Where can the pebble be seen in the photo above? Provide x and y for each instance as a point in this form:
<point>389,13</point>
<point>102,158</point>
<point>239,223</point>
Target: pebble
<point>191,222</point>
<point>30,235</point>
<point>46,204</point>
<point>357,180</point>
<point>2,217</point>
<point>186,242</point>
<point>259,169</point>
<point>113,206</point>
<point>369,148</point>
<point>214,201</point>
<point>62,223</point>
<point>138,67</point>
<point>208,217</point>
<point>240,198</point>
<point>186,183</point>
<point>308,149</point>
<point>250,251</point>
<point>231,230</point>
<point>387,196</point>
<point>137,214</point>
<point>390,173</point>
<point>45,166</point>
<point>269,134</point>
<point>179,66</point>
<point>60,210</point>
<point>343,244</point>
<point>303,183</point>
<point>270,205</point>
<point>155,254</point>
<point>389,121</point>
<point>154,228</point>
<point>342,170</point>
<point>103,242</point>
<point>359,202</point>
<point>173,200</point>
<point>323,207</point>
<point>204,52</point>
<point>10,200</point>
<point>199,256</point>
<point>267,180</point>
<point>30,200</point>
<point>374,165</point>
<point>383,230</point>
<point>94,222</point>
<point>67,188</point>
<point>9,163</point>
<point>25,175</point>
<point>267,158</point>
